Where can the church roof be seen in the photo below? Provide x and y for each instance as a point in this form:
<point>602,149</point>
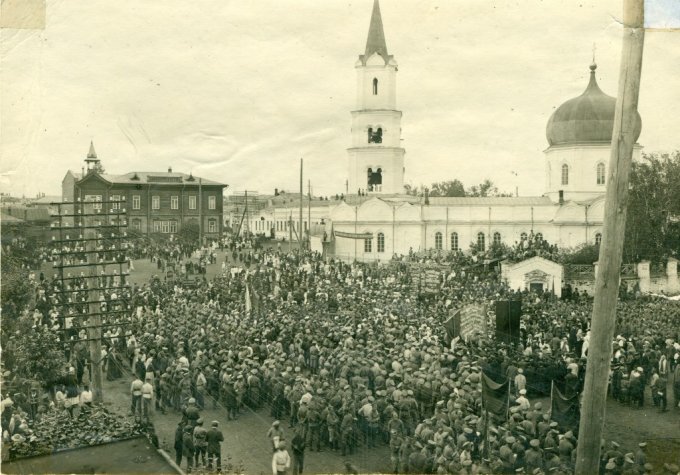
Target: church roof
<point>490,201</point>
<point>375,43</point>
<point>588,118</point>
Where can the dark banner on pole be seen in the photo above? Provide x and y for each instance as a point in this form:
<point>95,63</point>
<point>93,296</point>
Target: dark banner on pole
<point>564,411</point>
<point>495,396</point>
<point>452,326</point>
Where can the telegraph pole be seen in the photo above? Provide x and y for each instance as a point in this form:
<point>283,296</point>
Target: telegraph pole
<point>94,323</point>
<point>309,213</point>
<point>607,281</point>
<point>300,230</point>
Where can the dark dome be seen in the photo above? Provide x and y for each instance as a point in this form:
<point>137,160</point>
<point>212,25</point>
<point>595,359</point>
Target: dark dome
<point>586,118</point>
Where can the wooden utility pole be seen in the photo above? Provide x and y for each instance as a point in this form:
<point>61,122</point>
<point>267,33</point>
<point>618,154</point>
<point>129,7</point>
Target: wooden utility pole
<point>607,282</point>
<point>300,228</point>
<point>309,213</point>
<point>94,322</point>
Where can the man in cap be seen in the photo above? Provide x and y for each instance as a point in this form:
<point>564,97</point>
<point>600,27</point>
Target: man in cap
<point>640,456</point>
<point>147,397</point>
<point>200,442</point>
<point>136,394</point>
<point>214,437</point>
<point>522,401</point>
<point>191,413</point>
<point>298,445</point>
<point>179,436</point>
<point>533,457</point>
<point>275,434</point>
<point>188,447</point>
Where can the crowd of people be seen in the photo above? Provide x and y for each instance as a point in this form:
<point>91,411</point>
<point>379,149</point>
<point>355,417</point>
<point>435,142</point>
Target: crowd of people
<point>352,356</point>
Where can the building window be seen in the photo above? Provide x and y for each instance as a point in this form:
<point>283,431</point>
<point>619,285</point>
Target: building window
<point>137,224</point>
<point>375,86</point>
<point>157,226</point>
<point>192,202</point>
<point>565,174</point>
<point>438,241</point>
<point>375,136</point>
<point>600,173</point>
<point>174,202</point>
<point>368,245</point>
<point>480,241</point>
<point>454,241</point>
<point>381,242</point>
<point>136,202</point>
<point>165,227</point>
<point>212,226</point>
<point>155,202</point>
<point>173,227</point>
<point>374,181</point>
<point>211,202</point>
<point>598,239</point>
<point>496,239</point>
<point>115,201</point>
<point>97,199</point>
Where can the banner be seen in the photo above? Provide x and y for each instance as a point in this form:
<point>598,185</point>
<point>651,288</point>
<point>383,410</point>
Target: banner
<point>564,411</point>
<point>353,235</point>
<point>249,305</point>
<point>495,396</point>
<point>452,326</point>
<point>473,321</point>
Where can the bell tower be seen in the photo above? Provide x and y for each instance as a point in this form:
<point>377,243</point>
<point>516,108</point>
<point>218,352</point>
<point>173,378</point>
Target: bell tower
<point>376,158</point>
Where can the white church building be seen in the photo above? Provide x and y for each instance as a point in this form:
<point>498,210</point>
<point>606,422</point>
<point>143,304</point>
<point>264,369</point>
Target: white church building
<point>386,221</point>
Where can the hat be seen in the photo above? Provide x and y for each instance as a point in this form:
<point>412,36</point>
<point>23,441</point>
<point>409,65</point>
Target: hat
<point>642,445</point>
<point>610,466</point>
<point>535,443</point>
<point>199,421</point>
<point>510,439</point>
<point>522,391</point>
<point>214,423</point>
<point>192,400</point>
<point>276,423</point>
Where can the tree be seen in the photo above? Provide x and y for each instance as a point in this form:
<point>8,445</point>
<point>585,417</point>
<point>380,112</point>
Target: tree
<point>485,188</point>
<point>412,190</point>
<point>189,232</point>
<point>447,188</point>
<point>653,221</point>
<point>37,352</point>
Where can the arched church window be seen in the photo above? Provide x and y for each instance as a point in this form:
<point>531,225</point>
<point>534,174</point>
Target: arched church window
<point>438,241</point>
<point>381,242</point>
<point>368,245</point>
<point>374,180</point>
<point>565,174</point>
<point>454,241</point>
<point>496,239</point>
<point>480,241</point>
<point>375,86</point>
<point>375,136</point>
<point>598,239</point>
<point>600,173</point>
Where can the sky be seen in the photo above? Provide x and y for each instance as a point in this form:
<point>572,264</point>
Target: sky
<point>239,91</point>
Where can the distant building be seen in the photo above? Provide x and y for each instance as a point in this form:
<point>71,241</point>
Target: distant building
<point>155,202</point>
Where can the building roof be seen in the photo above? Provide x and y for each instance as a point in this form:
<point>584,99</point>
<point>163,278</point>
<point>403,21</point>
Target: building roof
<point>46,200</point>
<point>490,201</point>
<point>375,43</point>
<point>588,118</point>
<point>157,178</point>
<point>9,219</point>
<point>27,214</point>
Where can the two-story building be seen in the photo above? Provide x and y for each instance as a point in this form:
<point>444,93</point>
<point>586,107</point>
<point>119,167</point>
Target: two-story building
<point>154,202</point>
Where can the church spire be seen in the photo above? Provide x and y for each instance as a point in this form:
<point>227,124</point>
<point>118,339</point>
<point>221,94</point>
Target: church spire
<point>91,153</point>
<point>376,35</point>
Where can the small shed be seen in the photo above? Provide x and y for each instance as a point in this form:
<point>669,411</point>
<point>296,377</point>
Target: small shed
<point>535,274</point>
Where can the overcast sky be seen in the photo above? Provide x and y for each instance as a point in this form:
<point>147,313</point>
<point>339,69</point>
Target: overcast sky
<point>238,91</point>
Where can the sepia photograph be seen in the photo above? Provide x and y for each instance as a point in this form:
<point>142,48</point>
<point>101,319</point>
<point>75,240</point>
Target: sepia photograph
<point>340,237</point>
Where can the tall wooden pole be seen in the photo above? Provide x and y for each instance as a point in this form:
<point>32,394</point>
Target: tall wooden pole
<point>309,214</point>
<point>94,332</point>
<point>300,228</point>
<point>607,282</point>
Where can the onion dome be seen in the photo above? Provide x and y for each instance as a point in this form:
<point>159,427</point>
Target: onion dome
<point>588,118</point>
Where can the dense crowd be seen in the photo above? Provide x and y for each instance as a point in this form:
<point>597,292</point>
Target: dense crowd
<point>351,356</point>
